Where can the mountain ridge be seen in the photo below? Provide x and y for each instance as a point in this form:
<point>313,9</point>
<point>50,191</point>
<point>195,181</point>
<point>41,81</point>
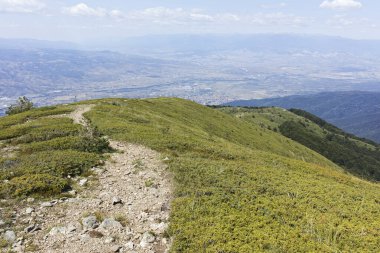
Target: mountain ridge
<point>356,112</point>
<point>255,189</point>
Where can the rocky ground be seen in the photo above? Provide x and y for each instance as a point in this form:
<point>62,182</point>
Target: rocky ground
<point>123,206</point>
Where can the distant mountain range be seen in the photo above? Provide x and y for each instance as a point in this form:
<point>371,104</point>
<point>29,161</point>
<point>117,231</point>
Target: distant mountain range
<point>265,43</point>
<point>356,112</point>
<point>27,44</point>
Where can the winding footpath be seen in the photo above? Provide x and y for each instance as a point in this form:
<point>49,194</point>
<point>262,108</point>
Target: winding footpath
<point>123,207</point>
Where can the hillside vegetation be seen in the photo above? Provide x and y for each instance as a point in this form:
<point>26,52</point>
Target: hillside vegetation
<point>41,152</point>
<point>359,156</point>
<point>240,187</point>
<point>355,112</point>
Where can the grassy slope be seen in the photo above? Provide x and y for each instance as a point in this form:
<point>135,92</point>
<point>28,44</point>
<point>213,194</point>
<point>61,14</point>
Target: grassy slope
<point>356,112</point>
<point>242,188</point>
<point>39,152</point>
<point>359,156</point>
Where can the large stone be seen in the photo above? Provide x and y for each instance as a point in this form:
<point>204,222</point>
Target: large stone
<point>32,228</point>
<point>72,192</point>
<point>71,228</point>
<point>10,236</point>
<point>116,200</point>
<point>47,204</point>
<point>159,228</point>
<point>110,224</point>
<point>116,248</point>
<point>29,210</point>
<point>57,230</point>
<point>146,240</point>
<point>83,182</point>
<point>130,245</point>
<point>109,240</point>
<point>30,200</point>
<point>90,222</point>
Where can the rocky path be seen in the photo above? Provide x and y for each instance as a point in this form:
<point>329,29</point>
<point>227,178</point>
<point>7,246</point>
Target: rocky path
<point>123,207</point>
<point>77,114</point>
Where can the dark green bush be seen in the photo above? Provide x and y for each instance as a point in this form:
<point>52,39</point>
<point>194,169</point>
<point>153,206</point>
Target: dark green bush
<point>37,184</point>
<point>348,153</point>
<point>39,130</point>
<point>58,163</point>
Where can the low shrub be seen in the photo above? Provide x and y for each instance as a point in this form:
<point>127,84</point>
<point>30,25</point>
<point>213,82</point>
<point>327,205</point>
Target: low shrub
<point>37,184</point>
<point>58,163</point>
<point>33,114</point>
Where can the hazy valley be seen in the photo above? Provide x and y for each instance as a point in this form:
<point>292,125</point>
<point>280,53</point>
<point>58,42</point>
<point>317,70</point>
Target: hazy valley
<point>206,69</point>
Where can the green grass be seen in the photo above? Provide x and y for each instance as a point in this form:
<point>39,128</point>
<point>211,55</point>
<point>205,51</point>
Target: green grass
<point>240,187</point>
<point>40,152</point>
<point>358,156</point>
<point>33,114</point>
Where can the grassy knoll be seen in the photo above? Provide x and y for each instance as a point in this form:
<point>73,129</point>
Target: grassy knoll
<point>240,187</point>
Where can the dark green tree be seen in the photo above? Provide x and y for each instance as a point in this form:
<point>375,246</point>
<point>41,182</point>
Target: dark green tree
<point>23,104</point>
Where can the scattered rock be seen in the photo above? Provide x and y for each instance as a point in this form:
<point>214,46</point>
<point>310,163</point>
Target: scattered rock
<point>116,194</point>
<point>90,222</point>
<point>159,228</point>
<point>147,239</point>
<point>110,224</point>
<point>2,223</point>
<point>10,236</point>
<point>57,230</point>
<point>72,192</point>
<point>61,200</point>
<point>71,228</point>
<point>165,207</point>
<point>30,200</point>
<point>109,240</point>
<point>29,210</point>
<point>47,204</point>
<point>31,228</point>
<point>116,248</point>
<point>116,200</point>
<point>166,159</point>
<point>130,245</point>
<point>83,182</point>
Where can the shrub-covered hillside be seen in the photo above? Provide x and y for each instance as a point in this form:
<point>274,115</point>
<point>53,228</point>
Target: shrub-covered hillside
<point>240,187</point>
<point>40,152</point>
<point>357,155</point>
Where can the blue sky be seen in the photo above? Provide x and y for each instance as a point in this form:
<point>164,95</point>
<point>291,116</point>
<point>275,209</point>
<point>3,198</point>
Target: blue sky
<point>85,20</point>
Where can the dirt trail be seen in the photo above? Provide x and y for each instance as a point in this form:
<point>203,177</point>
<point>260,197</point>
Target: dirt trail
<point>130,197</point>
<point>77,114</point>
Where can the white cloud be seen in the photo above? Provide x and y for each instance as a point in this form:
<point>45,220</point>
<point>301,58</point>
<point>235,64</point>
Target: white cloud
<point>83,9</point>
<point>116,14</point>
<point>341,4</point>
<point>343,21</point>
<point>180,16</point>
<point>278,18</point>
<point>171,16</point>
<point>22,6</point>
<point>168,16</point>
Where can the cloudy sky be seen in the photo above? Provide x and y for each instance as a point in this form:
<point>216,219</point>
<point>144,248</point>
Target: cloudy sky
<point>82,20</point>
